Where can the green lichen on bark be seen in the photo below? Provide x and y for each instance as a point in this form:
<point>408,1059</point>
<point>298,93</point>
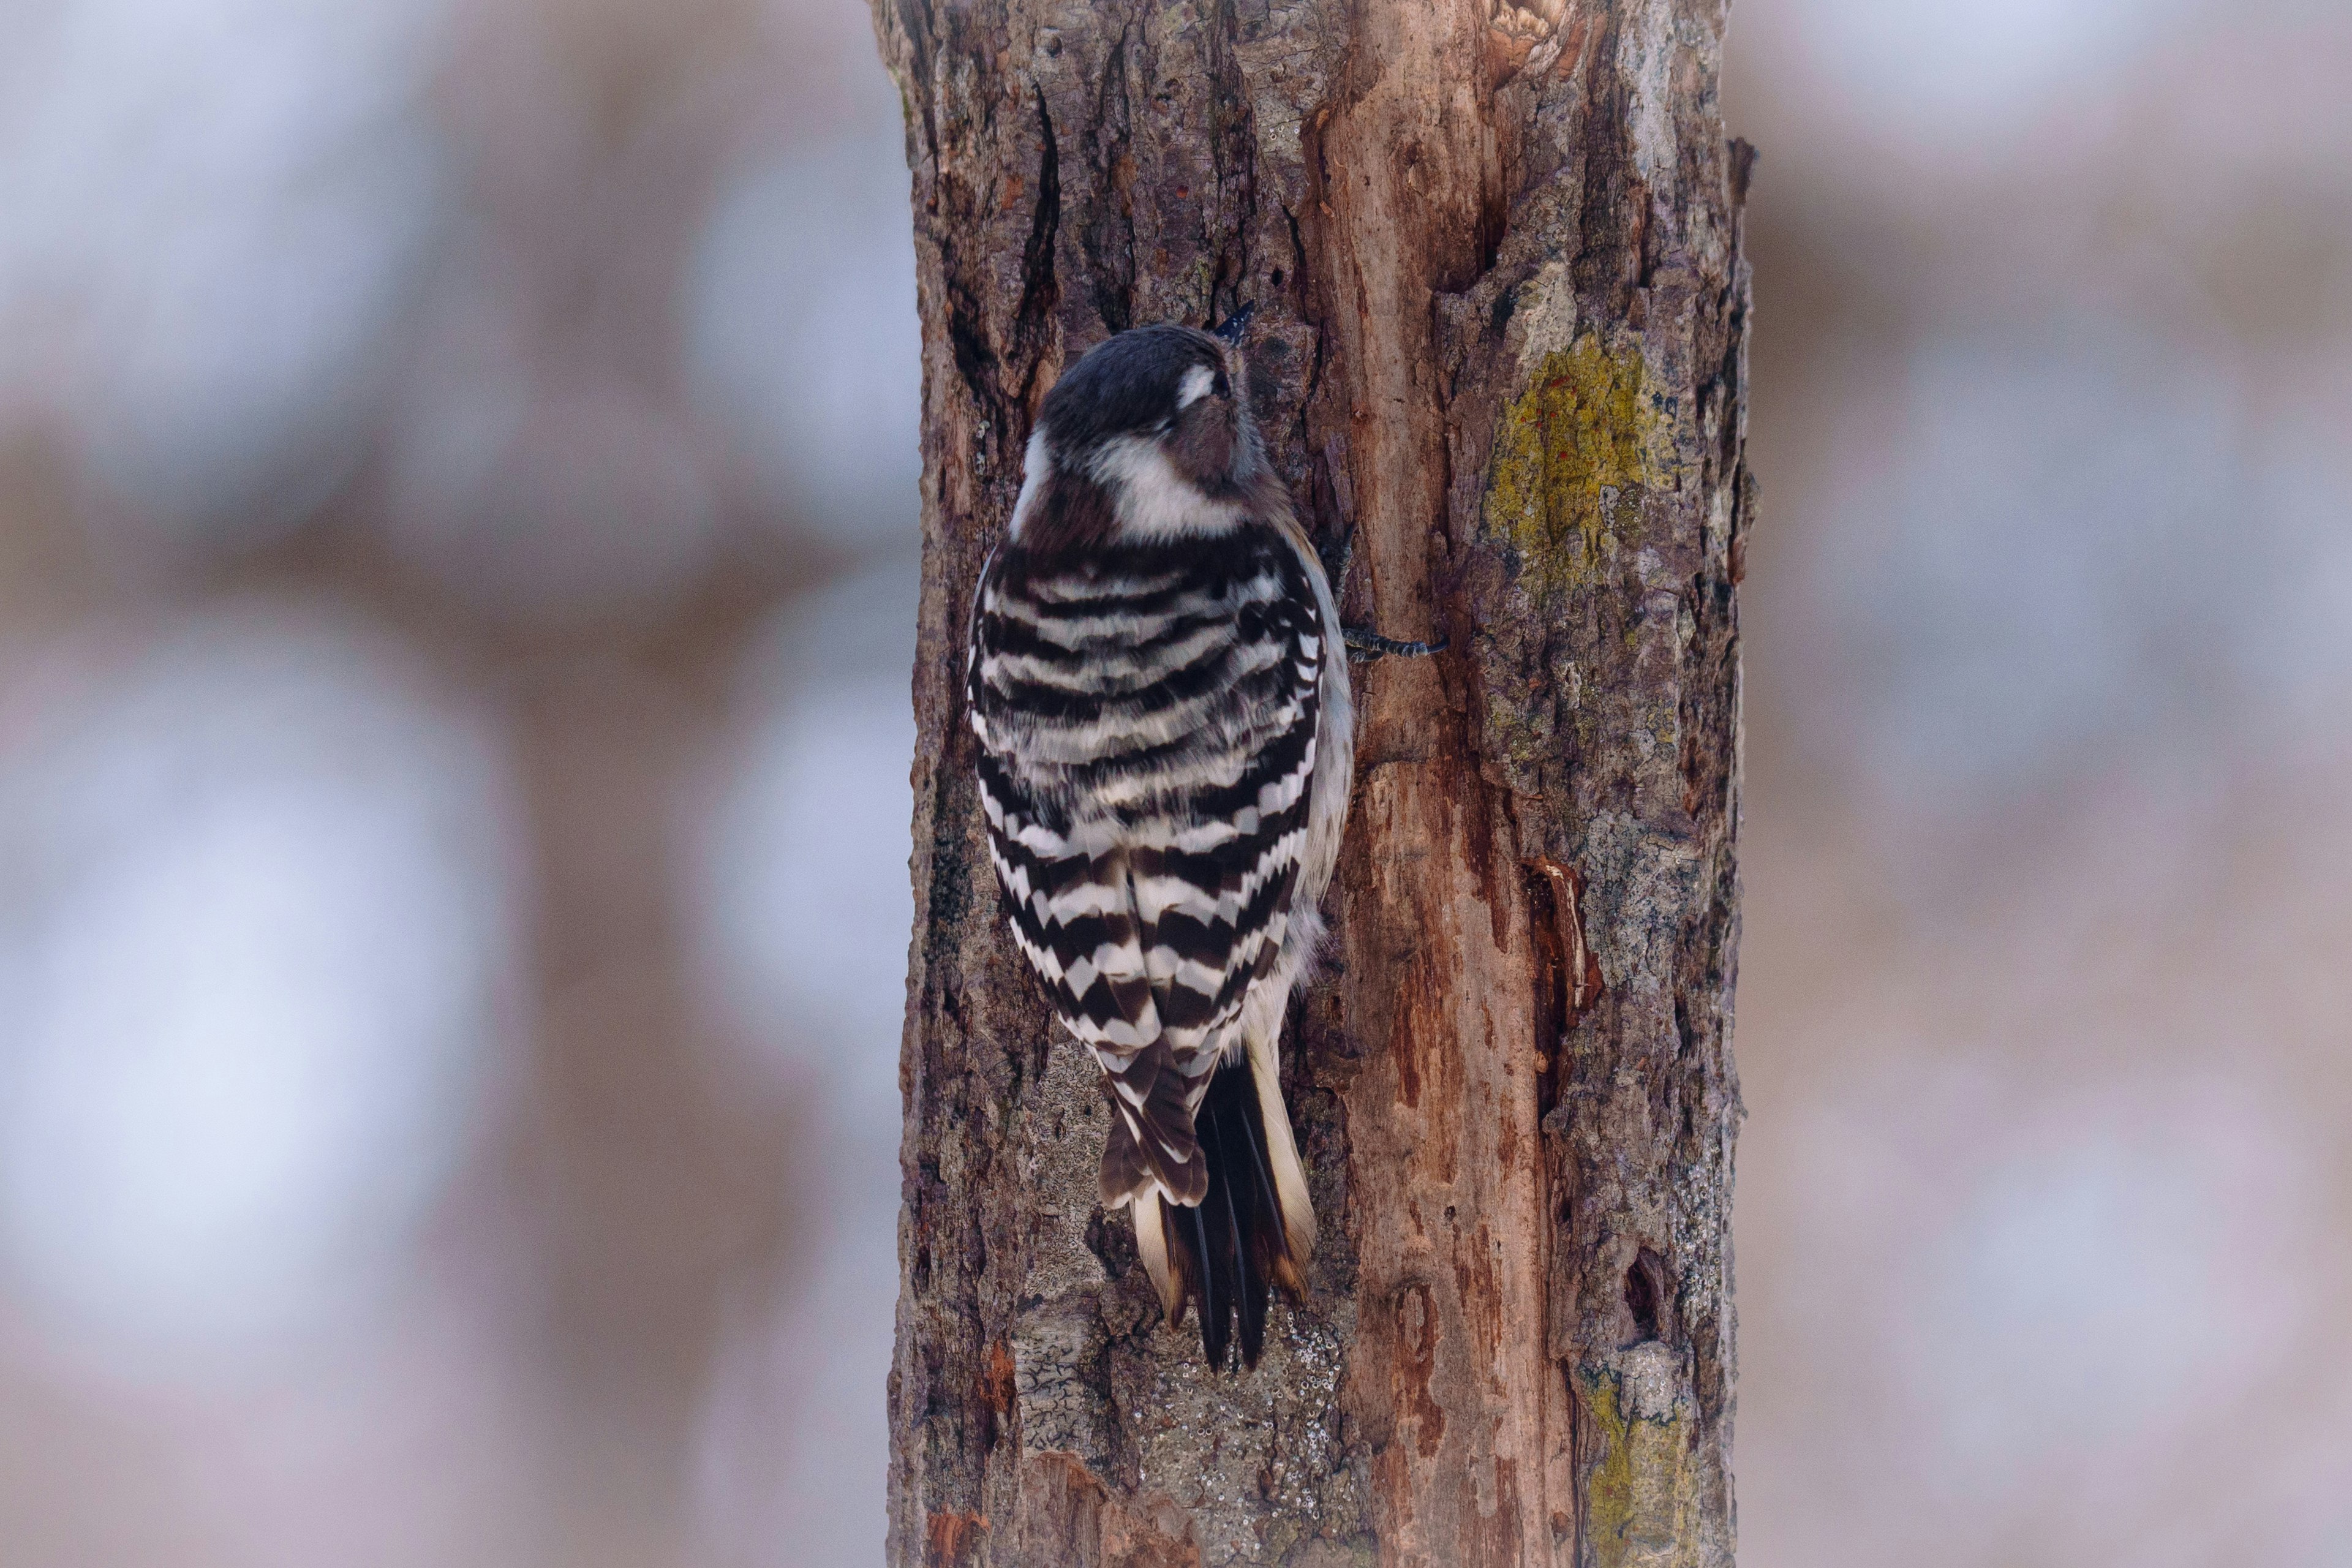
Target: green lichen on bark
<point>1581,443</point>
<point>1643,1502</point>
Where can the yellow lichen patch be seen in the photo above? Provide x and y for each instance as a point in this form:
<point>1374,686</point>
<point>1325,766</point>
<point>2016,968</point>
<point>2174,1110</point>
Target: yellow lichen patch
<point>1643,1499</point>
<point>1577,448</point>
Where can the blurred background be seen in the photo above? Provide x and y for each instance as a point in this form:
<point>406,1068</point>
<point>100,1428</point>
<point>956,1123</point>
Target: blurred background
<point>457,496</point>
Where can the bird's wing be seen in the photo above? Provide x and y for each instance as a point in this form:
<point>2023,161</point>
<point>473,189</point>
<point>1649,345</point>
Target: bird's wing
<point>1147,736</point>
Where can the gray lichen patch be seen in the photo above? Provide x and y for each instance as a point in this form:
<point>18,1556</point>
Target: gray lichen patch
<point>1256,1459</point>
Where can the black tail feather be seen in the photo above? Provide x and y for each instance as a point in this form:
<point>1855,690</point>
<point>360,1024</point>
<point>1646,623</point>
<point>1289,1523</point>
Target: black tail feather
<point>1251,1298</point>
<point>1270,1249</point>
<point>1230,1247</point>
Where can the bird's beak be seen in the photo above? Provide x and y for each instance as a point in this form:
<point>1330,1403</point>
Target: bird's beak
<point>1232,326</point>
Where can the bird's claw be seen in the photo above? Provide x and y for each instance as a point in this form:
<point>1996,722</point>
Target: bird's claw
<point>1364,646</point>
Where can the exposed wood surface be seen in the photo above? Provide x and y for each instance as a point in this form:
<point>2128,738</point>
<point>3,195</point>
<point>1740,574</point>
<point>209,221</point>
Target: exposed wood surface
<point>1500,335</point>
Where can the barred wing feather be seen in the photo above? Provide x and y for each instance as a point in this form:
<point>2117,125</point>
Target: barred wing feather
<point>1147,722</point>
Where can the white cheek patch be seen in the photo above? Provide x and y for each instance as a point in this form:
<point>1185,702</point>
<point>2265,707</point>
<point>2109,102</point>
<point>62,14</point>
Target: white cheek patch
<point>1194,387</point>
<point>1153,500</point>
<point>1035,468</point>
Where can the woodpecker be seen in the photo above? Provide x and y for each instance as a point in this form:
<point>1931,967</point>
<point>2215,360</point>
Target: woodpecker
<point>1159,684</point>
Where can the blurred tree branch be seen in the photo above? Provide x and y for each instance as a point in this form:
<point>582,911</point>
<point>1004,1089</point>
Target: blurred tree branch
<point>1502,314</point>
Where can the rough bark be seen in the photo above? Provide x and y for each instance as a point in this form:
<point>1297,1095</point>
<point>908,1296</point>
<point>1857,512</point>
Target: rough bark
<point>1501,321</point>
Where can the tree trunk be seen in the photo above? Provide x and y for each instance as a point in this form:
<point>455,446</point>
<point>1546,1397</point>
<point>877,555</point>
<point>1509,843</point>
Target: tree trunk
<point>1494,253</point>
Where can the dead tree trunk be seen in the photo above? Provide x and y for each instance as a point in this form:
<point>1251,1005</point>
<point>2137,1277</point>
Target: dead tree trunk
<point>1494,253</point>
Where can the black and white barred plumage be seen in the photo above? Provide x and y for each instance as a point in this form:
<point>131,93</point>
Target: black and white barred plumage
<point>1159,685</point>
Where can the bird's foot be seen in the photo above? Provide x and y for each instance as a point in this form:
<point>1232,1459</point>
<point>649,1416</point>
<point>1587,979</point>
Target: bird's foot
<point>1364,646</point>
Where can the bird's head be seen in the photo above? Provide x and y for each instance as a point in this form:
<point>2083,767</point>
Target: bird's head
<point>1156,421</point>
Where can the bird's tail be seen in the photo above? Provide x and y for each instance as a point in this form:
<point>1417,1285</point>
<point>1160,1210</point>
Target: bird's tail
<point>1252,1229</point>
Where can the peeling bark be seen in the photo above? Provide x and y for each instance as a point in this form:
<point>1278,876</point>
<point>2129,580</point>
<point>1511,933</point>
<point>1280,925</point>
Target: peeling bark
<point>1495,252</point>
